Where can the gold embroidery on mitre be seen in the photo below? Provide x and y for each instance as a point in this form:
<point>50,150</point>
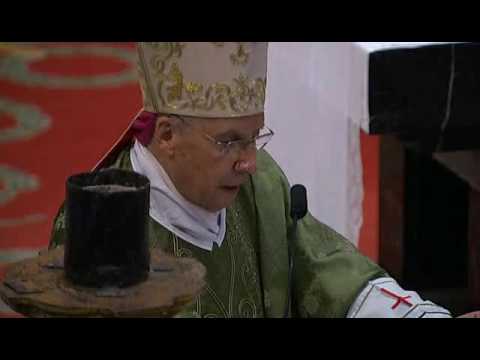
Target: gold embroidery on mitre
<point>175,78</point>
<point>240,57</point>
<point>146,94</point>
<point>247,93</point>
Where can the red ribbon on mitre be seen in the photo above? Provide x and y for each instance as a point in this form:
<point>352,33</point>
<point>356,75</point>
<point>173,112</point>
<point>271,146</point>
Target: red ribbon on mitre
<point>141,128</point>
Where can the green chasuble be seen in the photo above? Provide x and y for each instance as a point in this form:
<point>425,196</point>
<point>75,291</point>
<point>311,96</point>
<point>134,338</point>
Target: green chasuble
<point>247,276</point>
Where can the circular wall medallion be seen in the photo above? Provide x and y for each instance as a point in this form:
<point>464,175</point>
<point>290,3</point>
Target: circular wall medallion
<point>29,120</point>
<point>17,69</point>
<point>14,181</point>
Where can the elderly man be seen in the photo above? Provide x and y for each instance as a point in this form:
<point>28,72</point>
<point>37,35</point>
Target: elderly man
<point>217,196</point>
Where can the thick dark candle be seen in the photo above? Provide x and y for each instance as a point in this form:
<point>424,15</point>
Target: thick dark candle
<point>107,228</point>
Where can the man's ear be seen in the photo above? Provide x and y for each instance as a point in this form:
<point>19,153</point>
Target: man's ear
<point>163,134</point>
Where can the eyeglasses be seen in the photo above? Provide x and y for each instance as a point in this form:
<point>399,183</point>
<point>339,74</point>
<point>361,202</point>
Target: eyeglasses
<point>234,146</point>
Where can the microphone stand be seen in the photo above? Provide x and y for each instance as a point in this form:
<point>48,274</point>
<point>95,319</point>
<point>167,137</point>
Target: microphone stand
<point>298,200</point>
<point>290,267</point>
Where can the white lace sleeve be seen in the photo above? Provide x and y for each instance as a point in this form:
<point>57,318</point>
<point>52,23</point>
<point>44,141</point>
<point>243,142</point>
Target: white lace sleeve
<point>384,298</point>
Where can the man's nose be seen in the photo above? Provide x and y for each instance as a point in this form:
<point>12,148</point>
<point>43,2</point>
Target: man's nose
<point>247,161</point>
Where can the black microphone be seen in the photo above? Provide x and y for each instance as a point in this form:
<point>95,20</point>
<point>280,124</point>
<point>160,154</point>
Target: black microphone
<point>298,209</point>
<point>298,199</point>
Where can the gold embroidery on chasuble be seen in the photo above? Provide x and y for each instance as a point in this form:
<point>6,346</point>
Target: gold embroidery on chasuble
<point>233,284</point>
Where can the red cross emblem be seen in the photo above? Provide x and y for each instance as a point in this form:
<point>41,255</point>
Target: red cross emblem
<point>400,299</point>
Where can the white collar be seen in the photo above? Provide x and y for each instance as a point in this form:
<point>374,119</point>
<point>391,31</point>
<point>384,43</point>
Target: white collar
<point>169,208</point>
